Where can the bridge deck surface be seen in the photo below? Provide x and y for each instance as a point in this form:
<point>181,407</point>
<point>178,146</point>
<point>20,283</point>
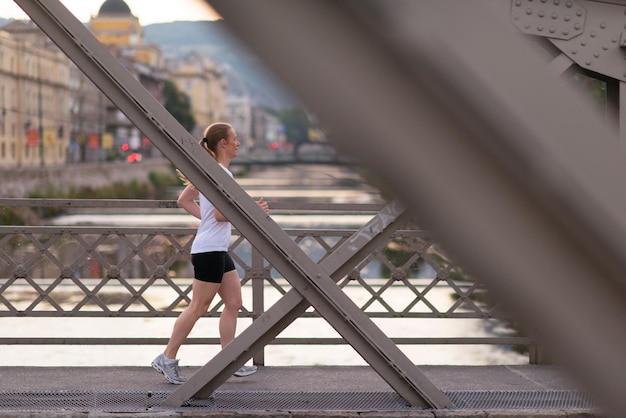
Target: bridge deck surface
<point>301,390</point>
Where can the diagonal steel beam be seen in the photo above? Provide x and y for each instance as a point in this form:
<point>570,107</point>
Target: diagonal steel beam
<point>260,230</point>
<point>286,310</point>
<point>464,121</point>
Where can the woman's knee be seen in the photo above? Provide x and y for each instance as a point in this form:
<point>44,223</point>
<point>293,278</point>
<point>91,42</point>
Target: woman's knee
<point>233,303</point>
<point>198,309</point>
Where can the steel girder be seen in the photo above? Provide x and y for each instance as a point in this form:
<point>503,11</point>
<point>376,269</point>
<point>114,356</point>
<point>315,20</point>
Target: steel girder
<point>309,279</point>
<point>289,308</point>
<point>518,178</point>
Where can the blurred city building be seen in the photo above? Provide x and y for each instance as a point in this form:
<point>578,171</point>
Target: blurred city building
<point>52,114</point>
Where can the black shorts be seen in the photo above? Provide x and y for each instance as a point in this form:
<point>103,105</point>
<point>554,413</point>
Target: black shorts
<point>211,266</point>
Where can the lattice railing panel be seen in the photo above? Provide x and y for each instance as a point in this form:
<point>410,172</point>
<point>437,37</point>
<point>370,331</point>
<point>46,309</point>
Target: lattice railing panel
<point>145,272</point>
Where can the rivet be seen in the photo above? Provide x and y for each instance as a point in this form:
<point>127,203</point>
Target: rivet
<point>526,25</point>
<point>569,4</point>
<point>577,26</point>
<point>518,3</point>
<point>515,16</point>
<point>592,34</point>
<point>565,32</point>
<point>583,43</point>
<point>605,47</point>
<point>574,52</point>
<point>552,29</point>
<point>614,40</point>
<point>596,55</point>
<point>567,18</point>
<point>603,25</point>
<point>554,16</point>
<point>557,2</point>
<point>540,28</point>
<point>579,13</point>
<point>541,13</point>
<point>529,11</point>
<point>587,62</point>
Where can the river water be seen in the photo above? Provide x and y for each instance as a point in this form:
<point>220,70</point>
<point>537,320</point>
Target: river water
<point>328,184</point>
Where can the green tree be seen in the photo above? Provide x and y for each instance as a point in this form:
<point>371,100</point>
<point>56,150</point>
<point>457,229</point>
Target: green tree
<point>297,124</point>
<point>179,105</point>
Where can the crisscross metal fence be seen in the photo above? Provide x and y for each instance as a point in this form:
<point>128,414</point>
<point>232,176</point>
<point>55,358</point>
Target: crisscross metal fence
<point>73,271</point>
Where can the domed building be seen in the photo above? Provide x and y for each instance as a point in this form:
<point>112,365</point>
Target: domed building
<point>113,7</point>
<point>115,25</point>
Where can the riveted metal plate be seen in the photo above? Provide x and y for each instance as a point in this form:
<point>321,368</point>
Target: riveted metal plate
<point>600,47</point>
<point>558,19</point>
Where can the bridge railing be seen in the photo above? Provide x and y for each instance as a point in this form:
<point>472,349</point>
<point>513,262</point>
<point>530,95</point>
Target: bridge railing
<point>88,271</point>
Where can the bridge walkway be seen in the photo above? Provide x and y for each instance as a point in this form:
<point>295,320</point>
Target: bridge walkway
<point>302,391</point>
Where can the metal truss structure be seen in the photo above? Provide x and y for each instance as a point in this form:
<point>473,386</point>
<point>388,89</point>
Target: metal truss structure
<point>460,116</point>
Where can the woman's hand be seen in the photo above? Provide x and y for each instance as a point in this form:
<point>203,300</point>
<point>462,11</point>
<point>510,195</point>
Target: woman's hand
<point>263,205</point>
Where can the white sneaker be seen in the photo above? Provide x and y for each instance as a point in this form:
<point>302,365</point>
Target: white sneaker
<point>245,371</point>
<point>169,369</point>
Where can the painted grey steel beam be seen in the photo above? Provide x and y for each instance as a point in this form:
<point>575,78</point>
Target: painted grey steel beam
<point>560,64</point>
<point>262,232</point>
<point>517,177</point>
<point>622,111</point>
<point>289,308</point>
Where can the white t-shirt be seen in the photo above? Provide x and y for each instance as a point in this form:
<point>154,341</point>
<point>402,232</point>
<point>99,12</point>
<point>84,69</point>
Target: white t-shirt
<point>212,235</point>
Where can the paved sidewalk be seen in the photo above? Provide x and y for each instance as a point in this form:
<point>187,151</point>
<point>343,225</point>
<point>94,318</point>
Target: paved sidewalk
<point>302,384</point>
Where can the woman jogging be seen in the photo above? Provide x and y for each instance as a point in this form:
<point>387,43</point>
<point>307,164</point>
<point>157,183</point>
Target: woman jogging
<point>214,269</point>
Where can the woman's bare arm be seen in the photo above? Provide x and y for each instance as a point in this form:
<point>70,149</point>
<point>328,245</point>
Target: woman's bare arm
<point>187,200</point>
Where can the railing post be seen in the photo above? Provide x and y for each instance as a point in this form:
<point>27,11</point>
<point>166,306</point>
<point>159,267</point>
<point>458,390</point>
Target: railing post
<point>258,297</point>
<point>538,353</point>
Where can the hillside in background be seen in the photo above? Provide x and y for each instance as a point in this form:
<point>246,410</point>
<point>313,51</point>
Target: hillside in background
<point>245,74</point>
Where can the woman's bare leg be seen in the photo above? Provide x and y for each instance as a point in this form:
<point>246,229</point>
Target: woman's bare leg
<point>201,298</point>
<point>230,292</point>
